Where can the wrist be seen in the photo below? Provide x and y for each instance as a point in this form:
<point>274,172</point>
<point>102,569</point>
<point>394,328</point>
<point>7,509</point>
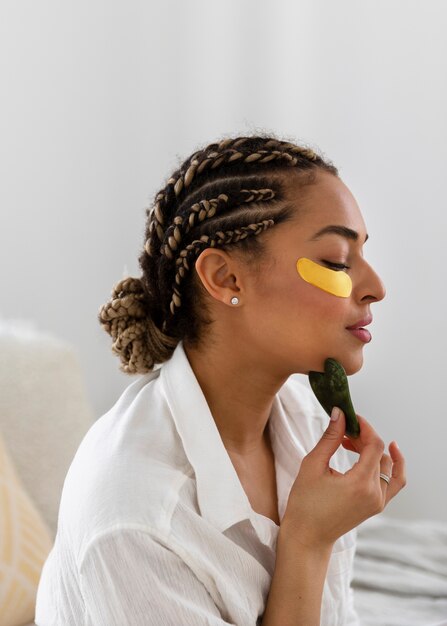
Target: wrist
<point>296,590</point>
<point>296,537</point>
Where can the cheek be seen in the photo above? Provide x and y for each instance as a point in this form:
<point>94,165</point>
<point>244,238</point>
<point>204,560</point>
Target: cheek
<point>289,298</point>
<point>312,317</point>
<point>321,308</point>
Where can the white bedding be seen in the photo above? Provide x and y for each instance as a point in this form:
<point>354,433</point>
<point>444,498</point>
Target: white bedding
<point>400,572</point>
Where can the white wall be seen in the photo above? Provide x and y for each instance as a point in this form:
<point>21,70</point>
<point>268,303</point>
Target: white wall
<point>101,99</point>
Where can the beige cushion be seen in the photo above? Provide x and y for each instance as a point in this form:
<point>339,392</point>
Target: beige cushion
<point>44,410</point>
<point>25,542</point>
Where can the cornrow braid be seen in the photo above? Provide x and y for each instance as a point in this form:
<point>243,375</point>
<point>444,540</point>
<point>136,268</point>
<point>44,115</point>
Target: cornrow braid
<point>225,195</point>
<point>240,151</point>
<point>200,211</point>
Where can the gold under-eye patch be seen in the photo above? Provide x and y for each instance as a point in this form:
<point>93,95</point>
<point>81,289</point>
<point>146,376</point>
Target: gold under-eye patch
<point>336,282</point>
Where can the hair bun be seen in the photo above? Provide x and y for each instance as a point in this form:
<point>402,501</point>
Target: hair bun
<point>136,339</point>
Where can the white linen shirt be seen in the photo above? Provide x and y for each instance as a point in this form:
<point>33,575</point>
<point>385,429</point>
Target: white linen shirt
<point>154,525</point>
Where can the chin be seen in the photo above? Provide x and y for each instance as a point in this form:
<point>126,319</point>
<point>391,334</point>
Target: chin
<point>352,363</point>
<point>352,360</point>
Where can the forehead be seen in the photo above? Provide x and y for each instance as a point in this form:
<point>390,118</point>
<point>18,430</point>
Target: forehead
<point>325,201</point>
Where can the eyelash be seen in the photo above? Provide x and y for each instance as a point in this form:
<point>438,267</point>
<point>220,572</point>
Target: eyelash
<point>338,266</point>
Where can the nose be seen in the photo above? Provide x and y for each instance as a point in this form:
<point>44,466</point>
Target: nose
<point>370,286</point>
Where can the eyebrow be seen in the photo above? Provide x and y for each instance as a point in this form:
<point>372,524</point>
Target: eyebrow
<point>343,231</point>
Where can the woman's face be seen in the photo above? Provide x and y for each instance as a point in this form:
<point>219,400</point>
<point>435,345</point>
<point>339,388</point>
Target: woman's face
<point>296,323</point>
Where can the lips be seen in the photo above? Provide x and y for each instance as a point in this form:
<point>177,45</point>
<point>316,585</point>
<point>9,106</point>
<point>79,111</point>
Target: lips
<point>361,323</point>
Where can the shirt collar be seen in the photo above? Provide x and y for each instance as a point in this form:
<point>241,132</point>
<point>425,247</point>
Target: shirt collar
<point>221,497</point>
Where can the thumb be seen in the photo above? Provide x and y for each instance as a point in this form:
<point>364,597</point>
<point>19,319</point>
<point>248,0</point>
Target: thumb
<point>332,436</point>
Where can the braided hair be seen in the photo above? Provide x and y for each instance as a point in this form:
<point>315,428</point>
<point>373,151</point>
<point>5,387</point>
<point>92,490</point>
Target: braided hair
<point>224,196</point>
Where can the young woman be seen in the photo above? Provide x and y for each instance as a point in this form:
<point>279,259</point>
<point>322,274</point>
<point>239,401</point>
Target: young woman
<point>216,490</point>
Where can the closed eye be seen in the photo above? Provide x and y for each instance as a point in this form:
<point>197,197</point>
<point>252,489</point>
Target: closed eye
<point>336,266</point>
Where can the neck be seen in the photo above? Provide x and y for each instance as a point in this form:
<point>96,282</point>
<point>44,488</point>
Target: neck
<point>239,403</point>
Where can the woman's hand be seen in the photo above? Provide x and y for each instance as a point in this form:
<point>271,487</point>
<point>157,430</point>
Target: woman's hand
<point>324,504</point>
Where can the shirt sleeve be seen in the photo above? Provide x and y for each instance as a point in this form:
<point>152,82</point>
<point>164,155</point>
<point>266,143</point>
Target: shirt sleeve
<point>127,577</point>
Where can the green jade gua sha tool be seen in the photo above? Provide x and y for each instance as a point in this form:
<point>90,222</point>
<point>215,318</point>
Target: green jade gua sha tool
<point>331,389</point>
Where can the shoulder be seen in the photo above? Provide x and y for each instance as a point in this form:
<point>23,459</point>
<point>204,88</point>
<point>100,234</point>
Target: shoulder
<point>128,470</point>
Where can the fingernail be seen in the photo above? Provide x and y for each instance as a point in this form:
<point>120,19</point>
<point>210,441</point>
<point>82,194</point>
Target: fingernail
<point>395,443</point>
<point>335,414</point>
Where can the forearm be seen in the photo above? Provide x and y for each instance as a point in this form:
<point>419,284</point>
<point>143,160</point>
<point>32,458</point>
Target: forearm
<point>297,584</point>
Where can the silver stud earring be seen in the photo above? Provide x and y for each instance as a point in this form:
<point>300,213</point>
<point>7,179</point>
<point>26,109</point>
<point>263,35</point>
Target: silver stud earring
<point>234,300</point>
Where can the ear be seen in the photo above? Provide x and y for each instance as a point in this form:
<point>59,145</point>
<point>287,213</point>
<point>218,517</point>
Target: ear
<point>220,274</point>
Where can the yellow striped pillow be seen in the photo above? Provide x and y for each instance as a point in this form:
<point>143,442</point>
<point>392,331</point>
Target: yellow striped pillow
<point>25,542</point>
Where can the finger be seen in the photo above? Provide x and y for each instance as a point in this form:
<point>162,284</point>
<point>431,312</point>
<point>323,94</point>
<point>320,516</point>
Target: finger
<point>398,474</point>
<point>366,432</point>
<point>330,441</point>
<point>386,466</point>
<point>369,446</point>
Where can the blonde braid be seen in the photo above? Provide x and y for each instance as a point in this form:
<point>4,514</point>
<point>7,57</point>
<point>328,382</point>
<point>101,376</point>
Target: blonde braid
<point>215,155</point>
<point>136,339</point>
<point>201,211</point>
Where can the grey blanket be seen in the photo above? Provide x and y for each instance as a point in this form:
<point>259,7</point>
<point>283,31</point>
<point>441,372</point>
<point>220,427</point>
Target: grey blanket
<point>400,572</point>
